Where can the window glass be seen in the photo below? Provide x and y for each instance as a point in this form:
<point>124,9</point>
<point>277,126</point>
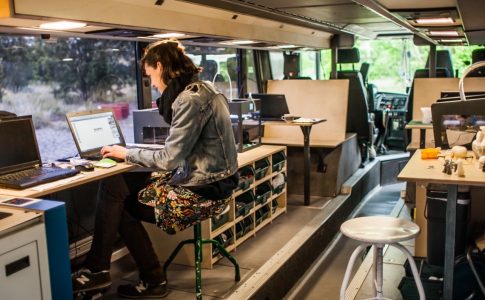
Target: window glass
<point>308,64</point>
<point>251,82</point>
<point>461,57</point>
<point>277,64</point>
<point>218,65</point>
<point>48,78</point>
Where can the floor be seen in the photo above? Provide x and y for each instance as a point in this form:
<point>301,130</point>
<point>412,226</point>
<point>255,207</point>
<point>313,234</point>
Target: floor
<point>218,283</point>
<point>322,281</point>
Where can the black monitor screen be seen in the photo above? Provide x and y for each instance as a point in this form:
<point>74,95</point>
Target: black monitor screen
<point>18,145</point>
<point>273,106</point>
<point>455,123</point>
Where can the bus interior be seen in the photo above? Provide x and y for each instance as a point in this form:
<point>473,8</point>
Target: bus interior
<point>366,67</point>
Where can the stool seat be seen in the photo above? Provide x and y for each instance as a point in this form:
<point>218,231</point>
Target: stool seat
<point>379,229</point>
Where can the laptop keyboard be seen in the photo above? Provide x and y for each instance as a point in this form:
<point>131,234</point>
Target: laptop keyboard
<point>30,177</point>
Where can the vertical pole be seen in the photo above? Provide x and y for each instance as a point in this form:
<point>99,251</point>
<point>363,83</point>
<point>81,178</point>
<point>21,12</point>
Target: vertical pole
<point>450,242</point>
<point>198,260</point>
<point>306,164</point>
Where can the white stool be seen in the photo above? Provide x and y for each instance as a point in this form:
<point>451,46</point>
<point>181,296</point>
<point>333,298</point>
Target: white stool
<point>379,231</point>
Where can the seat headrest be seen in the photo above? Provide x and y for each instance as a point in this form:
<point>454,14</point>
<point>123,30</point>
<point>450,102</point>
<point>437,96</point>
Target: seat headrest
<point>348,56</point>
<point>440,73</point>
<point>443,60</point>
<point>478,55</point>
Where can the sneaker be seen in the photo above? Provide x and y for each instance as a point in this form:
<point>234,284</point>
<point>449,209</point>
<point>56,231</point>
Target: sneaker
<point>143,290</point>
<point>84,280</point>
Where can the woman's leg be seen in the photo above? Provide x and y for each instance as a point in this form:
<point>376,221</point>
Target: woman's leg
<point>112,194</point>
<point>138,242</point>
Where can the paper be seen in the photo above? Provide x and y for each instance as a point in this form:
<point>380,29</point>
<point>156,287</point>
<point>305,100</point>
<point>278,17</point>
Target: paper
<point>306,120</point>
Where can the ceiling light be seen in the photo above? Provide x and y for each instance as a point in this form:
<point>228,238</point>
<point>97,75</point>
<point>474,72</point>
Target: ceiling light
<point>443,33</point>
<point>433,21</point>
<point>286,46</point>
<point>238,42</point>
<point>67,59</point>
<point>451,41</point>
<point>167,35</point>
<point>62,25</point>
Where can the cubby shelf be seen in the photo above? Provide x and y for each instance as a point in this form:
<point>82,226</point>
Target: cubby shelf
<point>260,156</point>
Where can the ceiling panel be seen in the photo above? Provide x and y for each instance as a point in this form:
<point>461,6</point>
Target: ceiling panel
<point>417,4</point>
<point>350,13</point>
<point>299,3</point>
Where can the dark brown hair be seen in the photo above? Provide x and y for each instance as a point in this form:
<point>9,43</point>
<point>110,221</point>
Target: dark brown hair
<point>171,54</point>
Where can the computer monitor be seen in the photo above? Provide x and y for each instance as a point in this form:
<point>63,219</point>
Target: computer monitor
<point>455,123</point>
<point>272,106</point>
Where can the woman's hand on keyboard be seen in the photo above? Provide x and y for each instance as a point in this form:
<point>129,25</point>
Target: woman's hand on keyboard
<point>114,152</point>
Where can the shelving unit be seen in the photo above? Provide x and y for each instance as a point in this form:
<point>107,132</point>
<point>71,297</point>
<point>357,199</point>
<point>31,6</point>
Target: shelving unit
<point>267,164</point>
<point>257,193</point>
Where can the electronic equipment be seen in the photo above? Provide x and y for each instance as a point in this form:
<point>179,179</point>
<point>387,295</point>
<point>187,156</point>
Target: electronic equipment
<point>94,129</point>
<point>456,122</point>
<point>272,106</point>
<point>20,162</point>
<point>392,102</point>
<point>149,127</point>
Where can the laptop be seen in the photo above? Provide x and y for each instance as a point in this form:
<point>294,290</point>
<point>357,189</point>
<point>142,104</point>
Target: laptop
<point>273,106</point>
<point>94,129</point>
<point>20,162</point>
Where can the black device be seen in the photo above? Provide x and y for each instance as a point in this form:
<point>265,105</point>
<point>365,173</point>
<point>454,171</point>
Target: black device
<point>456,122</point>
<point>272,106</point>
<point>20,162</point>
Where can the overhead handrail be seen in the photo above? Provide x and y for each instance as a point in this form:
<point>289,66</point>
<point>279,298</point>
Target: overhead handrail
<point>471,68</point>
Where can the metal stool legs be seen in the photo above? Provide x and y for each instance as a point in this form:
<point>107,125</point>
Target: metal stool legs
<point>377,272</point>
<point>197,241</point>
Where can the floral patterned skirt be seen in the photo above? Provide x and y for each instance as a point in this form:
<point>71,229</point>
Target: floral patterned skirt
<point>177,207</point>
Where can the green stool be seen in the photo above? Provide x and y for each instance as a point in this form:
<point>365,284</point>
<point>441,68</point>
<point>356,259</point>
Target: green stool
<point>198,242</point>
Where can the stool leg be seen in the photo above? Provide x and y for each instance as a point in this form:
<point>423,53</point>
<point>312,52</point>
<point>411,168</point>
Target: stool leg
<point>378,261</point>
<point>414,269</point>
<point>226,254</point>
<point>348,271</point>
<point>175,252</point>
<point>198,260</point>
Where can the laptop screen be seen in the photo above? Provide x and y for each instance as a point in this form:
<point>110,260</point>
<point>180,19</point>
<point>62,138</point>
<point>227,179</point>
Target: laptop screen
<point>94,129</point>
<point>19,149</point>
<point>273,106</point>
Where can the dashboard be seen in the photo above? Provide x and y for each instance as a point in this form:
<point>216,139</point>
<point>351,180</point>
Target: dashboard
<point>393,102</point>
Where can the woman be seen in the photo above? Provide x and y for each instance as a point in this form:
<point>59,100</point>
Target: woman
<point>197,173</point>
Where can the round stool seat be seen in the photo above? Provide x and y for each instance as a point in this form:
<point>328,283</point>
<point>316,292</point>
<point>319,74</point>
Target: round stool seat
<point>379,229</point>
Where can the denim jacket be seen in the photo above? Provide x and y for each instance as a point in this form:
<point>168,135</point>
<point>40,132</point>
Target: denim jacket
<point>200,146</point>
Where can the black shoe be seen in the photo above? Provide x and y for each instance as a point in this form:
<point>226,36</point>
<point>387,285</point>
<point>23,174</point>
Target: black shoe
<point>84,281</point>
<point>143,290</point>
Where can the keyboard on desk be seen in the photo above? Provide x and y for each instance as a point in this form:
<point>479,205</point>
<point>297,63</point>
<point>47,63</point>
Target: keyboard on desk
<point>35,176</point>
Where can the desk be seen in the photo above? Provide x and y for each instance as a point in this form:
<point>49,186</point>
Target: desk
<point>430,171</point>
<point>306,128</point>
<point>62,184</point>
<point>422,131</point>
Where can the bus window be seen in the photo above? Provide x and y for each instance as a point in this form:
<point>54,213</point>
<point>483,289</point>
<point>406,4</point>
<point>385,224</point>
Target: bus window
<point>392,62</point>
<point>308,60</point>
<point>251,82</point>
<point>214,61</point>
<point>47,78</point>
<point>277,61</point>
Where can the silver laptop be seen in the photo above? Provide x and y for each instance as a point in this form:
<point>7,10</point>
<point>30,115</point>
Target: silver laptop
<point>20,162</point>
<point>94,129</point>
